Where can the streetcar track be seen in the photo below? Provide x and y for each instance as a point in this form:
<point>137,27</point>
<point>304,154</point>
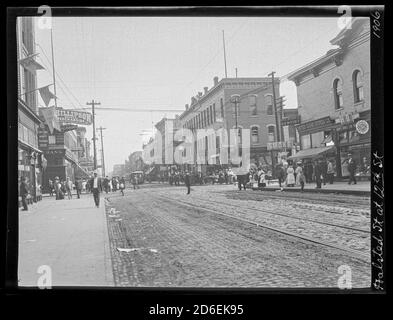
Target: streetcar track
<point>262,225</point>
<point>292,217</point>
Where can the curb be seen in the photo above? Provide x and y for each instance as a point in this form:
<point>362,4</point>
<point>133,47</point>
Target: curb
<point>349,192</point>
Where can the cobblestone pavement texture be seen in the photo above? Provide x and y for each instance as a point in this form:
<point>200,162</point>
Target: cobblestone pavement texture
<point>179,240</point>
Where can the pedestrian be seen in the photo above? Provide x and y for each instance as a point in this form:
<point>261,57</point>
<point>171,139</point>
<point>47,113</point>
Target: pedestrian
<point>24,192</point>
<point>300,178</point>
<point>68,186</point>
<point>78,187</point>
<point>122,185</point>
<point>57,187</point>
<point>51,188</point>
<point>261,178</point>
<point>330,172</point>
<point>318,174</point>
<point>84,185</point>
<point>110,187</point>
<point>96,188</point>
<point>280,174</point>
<point>324,166</point>
<point>290,180</point>
<point>106,184</point>
<point>351,169</point>
<point>187,182</point>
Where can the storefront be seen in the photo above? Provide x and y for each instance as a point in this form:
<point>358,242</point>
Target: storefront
<point>349,133</point>
<point>30,160</point>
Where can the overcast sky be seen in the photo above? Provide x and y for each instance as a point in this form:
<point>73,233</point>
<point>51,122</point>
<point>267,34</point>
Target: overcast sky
<point>154,62</point>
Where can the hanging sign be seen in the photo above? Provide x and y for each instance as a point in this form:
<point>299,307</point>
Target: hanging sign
<point>75,117</point>
<point>362,126</point>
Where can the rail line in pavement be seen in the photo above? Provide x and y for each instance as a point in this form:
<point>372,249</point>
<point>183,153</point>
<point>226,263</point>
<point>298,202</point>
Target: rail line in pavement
<point>358,253</point>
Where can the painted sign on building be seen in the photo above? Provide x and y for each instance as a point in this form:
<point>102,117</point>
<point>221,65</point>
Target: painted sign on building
<point>279,145</point>
<point>75,117</point>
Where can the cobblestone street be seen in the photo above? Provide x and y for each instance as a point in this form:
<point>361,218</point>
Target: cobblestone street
<point>221,237</point>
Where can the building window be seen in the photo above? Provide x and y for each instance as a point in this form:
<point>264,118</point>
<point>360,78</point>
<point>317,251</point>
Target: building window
<point>222,108</point>
<point>357,86</point>
<point>253,105</point>
<point>271,133</point>
<point>306,141</point>
<point>208,115</point>
<point>214,112</point>
<point>254,135</point>
<point>269,105</point>
<point>338,94</point>
<point>211,114</point>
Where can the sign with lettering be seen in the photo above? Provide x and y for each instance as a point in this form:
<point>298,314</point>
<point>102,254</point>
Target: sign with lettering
<point>68,127</point>
<point>345,117</point>
<point>279,145</point>
<point>73,116</point>
<point>290,122</point>
<point>362,126</point>
<point>310,125</point>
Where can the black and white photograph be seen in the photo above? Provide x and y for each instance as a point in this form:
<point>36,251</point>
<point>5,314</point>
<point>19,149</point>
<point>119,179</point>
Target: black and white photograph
<point>186,149</point>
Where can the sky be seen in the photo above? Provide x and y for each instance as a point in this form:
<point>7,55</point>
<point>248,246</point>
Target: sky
<point>161,62</point>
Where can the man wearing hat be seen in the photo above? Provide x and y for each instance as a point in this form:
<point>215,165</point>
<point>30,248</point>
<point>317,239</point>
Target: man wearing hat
<point>96,188</point>
<point>351,169</point>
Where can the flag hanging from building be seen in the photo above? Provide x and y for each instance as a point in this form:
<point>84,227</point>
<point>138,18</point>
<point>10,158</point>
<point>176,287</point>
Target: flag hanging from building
<point>51,119</point>
<point>30,64</point>
<point>46,95</point>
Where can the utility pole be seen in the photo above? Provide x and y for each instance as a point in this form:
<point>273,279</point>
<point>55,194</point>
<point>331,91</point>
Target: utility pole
<point>275,107</point>
<point>102,150</point>
<point>53,65</point>
<point>225,56</point>
<point>93,104</point>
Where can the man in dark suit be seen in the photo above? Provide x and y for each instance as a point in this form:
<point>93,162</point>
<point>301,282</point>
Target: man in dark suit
<point>351,169</point>
<point>318,173</point>
<point>96,188</point>
<point>23,192</point>
<point>187,181</point>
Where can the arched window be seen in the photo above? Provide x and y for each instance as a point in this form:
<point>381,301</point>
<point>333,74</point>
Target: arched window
<point>357,80</point>
<point>269,105</point>
<point>254,134</point>
<point>253,104</point>
<point>338,94</point>
<point>271,133</point>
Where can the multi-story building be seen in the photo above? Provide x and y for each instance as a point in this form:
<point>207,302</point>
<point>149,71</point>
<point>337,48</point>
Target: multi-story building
<point>119,170</point>
<point>62,150</point>
<point>31,162</point>
<point>334,98</point>
<point>215,109</point>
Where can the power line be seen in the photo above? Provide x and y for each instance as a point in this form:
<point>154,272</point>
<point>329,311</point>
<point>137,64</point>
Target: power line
<point>60,78</point>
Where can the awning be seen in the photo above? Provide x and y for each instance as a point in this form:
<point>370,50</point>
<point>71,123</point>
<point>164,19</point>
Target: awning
<point>310,153</point>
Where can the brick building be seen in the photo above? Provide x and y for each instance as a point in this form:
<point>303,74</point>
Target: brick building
<point>334,98</point>
<point>31,161</point>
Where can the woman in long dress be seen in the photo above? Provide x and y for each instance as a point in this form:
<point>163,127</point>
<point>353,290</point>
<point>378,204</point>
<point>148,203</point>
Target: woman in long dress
<point>290,177</point>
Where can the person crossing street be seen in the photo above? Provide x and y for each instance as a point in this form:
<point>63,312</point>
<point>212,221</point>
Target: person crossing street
<point>23,192</point>
<point>187,181</point>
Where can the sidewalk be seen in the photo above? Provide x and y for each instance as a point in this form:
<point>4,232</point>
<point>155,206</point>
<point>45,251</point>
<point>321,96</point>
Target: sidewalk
<point>69,236</point>
<point>362,188</point>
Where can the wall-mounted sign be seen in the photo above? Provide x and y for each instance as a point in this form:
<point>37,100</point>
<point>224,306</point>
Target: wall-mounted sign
<point>290,122</point>
<point>75,117</point>
<point>68,127</point>
<point>310,125</point>
<point>362,126</point>
<point>347,117</point>
<point>279,145</point>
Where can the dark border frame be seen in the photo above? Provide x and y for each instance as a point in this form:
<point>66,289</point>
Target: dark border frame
<point>377,102</point>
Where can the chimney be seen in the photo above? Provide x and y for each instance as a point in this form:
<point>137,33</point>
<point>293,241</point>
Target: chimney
<point>206,89</point>
<point>215,79</point>
<point>187,106</point>
<point>193,100</point>
<point>199,94</point>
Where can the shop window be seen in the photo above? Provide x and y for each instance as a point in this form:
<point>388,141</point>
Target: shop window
<point>317,139</point>
<point>357,86</point>
<point>343,137</point>
<point>253,105</point>
<point>338,94</point>
<point>254,134</point>
<point>271,133</point>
